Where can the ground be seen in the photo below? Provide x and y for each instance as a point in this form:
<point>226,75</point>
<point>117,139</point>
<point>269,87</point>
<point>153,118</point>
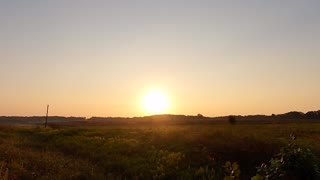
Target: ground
<point>184,149</point>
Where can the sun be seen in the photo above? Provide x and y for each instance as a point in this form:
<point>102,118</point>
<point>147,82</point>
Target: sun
<point>155,102</point>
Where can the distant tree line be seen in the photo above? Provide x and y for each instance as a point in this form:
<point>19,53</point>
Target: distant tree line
<point>311,115</point>
<point>301,115</point>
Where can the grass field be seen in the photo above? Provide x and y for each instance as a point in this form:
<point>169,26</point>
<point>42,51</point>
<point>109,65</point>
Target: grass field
<point>158,150</point>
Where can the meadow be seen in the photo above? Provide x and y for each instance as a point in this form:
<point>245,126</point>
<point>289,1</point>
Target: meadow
<point>153,150</point>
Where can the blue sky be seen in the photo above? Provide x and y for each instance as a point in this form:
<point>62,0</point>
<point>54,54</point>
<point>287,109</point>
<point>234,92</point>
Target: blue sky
<point>212,57</point>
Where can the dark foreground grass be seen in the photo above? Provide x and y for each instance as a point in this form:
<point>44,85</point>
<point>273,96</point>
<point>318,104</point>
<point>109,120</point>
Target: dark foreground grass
<point>154,151</point>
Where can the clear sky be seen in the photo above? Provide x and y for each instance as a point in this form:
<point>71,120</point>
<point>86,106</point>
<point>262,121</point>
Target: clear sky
<point>101,57</point>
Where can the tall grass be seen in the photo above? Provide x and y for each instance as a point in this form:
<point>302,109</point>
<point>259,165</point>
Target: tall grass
<point>185,151</point>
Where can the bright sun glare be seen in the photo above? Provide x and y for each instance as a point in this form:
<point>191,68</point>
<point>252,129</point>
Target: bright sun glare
<point>155,103</point>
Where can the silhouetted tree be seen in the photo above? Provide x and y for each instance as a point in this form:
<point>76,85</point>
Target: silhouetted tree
<point>293,115</point>
<point>200,115</point>
<point>232,119</point>
<point>312,115</point>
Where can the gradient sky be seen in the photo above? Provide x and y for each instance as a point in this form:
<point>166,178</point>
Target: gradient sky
<point>100,57</point>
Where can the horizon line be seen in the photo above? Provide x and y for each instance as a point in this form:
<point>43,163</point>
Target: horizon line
<point>199,114</point>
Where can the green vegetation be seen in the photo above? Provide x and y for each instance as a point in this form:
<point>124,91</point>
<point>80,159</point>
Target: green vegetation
<point>159,150</point>
<point>232,171</point>
<point>295,161</point>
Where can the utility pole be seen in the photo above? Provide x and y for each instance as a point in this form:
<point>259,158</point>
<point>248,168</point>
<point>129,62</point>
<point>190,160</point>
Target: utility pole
<point>45,125</point>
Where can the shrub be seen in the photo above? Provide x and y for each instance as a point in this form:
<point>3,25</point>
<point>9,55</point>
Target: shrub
<point>294,161</point>
<point>232,119</point>
<point>205,173</point>
<point>200,115</point>
<point>166,163</point>
<point>232,171</point>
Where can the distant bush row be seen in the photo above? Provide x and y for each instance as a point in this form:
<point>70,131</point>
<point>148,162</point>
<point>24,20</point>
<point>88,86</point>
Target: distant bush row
<point>314,115</point>
<point>301,115</point>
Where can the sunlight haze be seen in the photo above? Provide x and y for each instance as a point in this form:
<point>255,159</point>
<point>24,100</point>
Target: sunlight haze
<point>155,102</point>
<point>102,58</point>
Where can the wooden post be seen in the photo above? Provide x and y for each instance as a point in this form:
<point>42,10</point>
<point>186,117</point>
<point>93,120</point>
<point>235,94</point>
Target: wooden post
<point>45,125</point>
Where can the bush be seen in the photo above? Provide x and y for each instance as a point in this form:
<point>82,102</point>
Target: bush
<point>232,171</point>
<point>232,119</point>
<point>200,115</point>
<point>167,164</point>
<point>293,162</point>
